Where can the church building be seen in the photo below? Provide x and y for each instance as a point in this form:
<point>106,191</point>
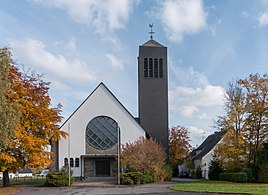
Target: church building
<point>101,123</point>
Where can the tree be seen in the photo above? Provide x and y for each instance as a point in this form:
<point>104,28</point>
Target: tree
<point>232,152</point>
<point>9,113</point>
<point>144,155</point>
<point>179,145</point>
<point>215,168</point>
<point>37,125</point>
<point>189,162</point>
<point>246,118</point>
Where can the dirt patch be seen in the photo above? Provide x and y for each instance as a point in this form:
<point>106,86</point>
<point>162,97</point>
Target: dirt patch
<point>8,190</point>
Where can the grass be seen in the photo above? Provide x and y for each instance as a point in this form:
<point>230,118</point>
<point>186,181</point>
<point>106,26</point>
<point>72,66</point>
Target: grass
<point>25,181</point>
<point>222,187</point>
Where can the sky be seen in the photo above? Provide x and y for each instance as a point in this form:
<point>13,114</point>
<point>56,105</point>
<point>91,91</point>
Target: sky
<point>79,43</point>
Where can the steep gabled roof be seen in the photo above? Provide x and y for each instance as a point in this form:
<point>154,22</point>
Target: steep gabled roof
<point>210,142</point>
<point>106,88</point>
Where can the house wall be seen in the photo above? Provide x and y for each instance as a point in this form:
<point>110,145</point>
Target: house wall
<point>100,103</point>
<point>204,162</point>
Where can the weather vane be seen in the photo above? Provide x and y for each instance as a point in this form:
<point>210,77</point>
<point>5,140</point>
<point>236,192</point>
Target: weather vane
<point>152,32</point>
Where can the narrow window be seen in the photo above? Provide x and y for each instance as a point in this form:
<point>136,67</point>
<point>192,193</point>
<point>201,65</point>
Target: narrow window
<point>161,68</point>
<point>65,161</point>
<point>151,68</point>
<point>145,71</point>
<point>76,162</point>
<point>71,162</point>
<point>155,68</point>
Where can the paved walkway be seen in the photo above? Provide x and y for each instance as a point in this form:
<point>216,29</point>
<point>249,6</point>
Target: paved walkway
<point>109,187</point>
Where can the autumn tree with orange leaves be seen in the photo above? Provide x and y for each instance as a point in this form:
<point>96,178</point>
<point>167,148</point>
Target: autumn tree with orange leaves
<point>179,145</point>
<point>246,120</point>
<point>35,122</point>
<point>145,156</point>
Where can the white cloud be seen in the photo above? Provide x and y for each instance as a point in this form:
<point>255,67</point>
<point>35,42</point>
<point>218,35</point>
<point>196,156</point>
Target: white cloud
<point>263,19</point>
<point>191,94</point>
<point>197,135</point>
<point>188,101</point>
<point>34,52</point>
<point>116,63</point>
<point>103,15</point>
<point>189,76</point>
<point>182,17</point>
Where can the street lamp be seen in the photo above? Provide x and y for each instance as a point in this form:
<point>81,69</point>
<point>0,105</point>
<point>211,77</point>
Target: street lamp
<point>118,155</point>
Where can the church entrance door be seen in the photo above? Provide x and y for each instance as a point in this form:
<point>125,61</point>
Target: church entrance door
<point>103,168</point>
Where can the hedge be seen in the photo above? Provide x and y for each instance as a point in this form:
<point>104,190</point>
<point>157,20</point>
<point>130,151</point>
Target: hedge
<point>58,179</point>
<point>240,177</point>
<point>136,178</point>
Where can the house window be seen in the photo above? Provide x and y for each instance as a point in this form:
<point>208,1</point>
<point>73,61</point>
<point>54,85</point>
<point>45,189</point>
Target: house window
<point>145,71</point>
<point>155,68</point>
<point>161,68</point>
<point>101,132</point>
<point>151,68</point>
<point>76,162</point>
<point>65,161</point>
<point>71,162</point>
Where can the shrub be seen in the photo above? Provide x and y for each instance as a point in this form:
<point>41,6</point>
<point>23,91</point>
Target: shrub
<point>263,174</point>
<point>148,178</point>
<point>168,172</point>
<point>131,178</point>
<point>125,179</point>
<point>143,155</point>
<point>215,168</point>
<point>198,172</point>
<point>240,177</point>
<point>58,179</point>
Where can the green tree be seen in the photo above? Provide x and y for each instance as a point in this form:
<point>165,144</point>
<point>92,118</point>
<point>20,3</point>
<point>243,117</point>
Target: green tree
<point>9,113</point>
<point>215,168</point>
<point>189,162</point>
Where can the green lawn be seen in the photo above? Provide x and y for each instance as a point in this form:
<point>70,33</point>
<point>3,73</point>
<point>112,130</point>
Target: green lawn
<point>26,180</point>
<point>222,187</point>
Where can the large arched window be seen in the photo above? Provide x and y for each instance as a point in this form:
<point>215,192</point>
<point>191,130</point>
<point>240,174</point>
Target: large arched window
<point>155,68</point>
<point>145,71</point>
<point>161,68</point>
<point>102,132</point>
<point>151,68</point>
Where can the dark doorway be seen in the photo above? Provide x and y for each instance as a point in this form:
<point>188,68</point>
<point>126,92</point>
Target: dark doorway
<point>102,168</point>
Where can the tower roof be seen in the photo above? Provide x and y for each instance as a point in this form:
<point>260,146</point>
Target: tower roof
<point>152,43</point>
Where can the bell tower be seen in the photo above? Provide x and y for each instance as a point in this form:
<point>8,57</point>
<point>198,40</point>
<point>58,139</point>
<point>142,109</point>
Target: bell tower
<point>153,90</point>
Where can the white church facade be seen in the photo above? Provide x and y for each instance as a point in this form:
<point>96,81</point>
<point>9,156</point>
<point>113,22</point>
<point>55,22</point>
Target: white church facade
<point>95,129</point>
<point>101,124</point>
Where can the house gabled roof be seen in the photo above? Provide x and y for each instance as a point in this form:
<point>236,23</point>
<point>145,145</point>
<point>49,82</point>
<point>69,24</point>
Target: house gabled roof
<point>25,170</point>
<point>106,88</point>
<point>210,142</point>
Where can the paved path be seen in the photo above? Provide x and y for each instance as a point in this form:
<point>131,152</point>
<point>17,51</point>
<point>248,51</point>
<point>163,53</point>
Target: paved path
<point>84,188</point>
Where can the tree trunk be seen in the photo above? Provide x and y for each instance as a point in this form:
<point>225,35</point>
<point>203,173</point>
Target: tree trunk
<point>6,181</point>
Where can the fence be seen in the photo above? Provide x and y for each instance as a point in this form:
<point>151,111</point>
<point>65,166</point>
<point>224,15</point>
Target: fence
<point>26,180</point>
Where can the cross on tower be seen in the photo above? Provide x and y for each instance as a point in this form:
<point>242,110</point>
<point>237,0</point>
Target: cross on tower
<point>151,32</point>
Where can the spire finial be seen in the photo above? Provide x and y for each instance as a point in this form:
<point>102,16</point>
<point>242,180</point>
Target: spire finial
<point>151,32</point>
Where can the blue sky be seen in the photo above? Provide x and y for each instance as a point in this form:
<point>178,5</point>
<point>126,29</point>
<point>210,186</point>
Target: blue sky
<point>78,44</point>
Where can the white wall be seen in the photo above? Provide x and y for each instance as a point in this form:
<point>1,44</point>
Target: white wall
<point>100,103</point>
<point>204,163</point>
